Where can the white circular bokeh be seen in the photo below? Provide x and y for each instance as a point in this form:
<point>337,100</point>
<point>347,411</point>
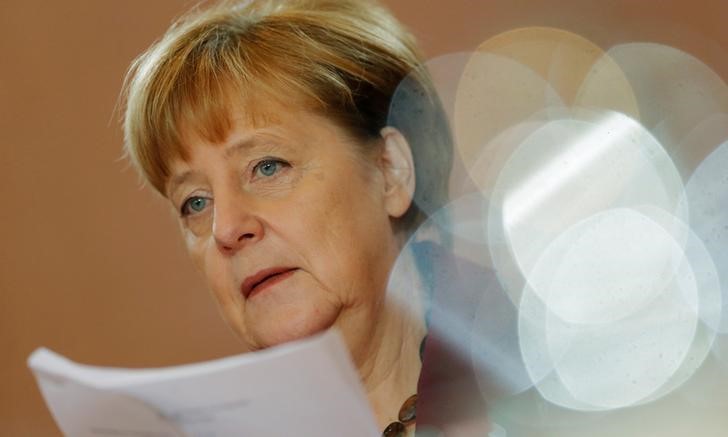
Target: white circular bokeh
<point>707,196</point>
<point>675,92</point>
<point>594,338</point>
<point>566,171</point>
<point>495,93</point>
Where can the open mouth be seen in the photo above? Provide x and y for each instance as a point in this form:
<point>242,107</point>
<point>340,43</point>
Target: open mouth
<point>264,279</point>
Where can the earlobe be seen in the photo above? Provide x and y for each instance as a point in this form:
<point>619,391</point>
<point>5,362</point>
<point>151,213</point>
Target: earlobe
<point>398,168</point>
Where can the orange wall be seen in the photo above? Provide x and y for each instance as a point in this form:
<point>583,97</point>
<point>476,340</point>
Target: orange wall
<point>92,266</point>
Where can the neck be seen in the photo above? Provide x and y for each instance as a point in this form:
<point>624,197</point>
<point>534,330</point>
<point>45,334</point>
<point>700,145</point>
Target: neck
<point>391,376</point>
<point>388,358</point>
<point>391,368</point>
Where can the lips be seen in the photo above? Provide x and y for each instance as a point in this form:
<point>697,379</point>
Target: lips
<point>256,283</point>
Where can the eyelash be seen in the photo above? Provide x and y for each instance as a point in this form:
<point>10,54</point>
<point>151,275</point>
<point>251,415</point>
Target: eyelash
<point>185,208</point>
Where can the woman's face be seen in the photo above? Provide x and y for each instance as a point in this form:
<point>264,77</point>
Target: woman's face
<point>291,225</point>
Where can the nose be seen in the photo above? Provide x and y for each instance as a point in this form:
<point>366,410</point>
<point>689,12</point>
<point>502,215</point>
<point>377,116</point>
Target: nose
<point>236,224</point>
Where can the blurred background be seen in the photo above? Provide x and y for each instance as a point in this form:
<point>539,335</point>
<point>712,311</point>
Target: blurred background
<point>91,263</point>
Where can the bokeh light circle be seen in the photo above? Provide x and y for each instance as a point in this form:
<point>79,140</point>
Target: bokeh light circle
<point>495,93</point>
<point>675,92</point>
<point>619,360</point>
<point>707,197</point>
<point>566,171</point>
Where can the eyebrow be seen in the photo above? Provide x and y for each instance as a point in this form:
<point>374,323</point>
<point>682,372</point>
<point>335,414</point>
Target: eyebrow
<point>176,181</point>
<point>245,143</point>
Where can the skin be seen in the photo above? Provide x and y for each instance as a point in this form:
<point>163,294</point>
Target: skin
<point>296,191</point>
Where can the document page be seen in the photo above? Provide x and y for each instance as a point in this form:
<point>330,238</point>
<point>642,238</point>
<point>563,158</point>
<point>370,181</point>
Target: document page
<point>305,388</point>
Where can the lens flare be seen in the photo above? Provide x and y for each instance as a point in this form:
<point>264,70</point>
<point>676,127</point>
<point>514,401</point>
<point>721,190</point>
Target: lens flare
<point>720,351</point>
<point>495,93</point>
<point>675,92</point>
<point>560,57</point>
<point>567,171</point>
<point>695,265</point>
<point>623,340</point>
<point>707,196</point>
<point>600,278</point>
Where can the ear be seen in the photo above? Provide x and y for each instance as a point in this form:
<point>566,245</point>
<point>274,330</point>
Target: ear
<point>398,168</point>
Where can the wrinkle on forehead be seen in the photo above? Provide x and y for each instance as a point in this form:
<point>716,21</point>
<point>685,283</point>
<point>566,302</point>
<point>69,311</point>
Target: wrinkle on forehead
<point>213,124</point>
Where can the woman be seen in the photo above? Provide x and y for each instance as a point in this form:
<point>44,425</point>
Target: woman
<point>267,125</point>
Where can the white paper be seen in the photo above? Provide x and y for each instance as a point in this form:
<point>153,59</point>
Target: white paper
<point>305,388</point>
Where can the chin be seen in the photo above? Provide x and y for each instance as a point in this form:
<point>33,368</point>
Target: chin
<point>293,325</point>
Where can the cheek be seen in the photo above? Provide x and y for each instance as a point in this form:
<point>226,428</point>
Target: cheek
<point>219,279</point>
<point>354,241</point>
<point>195,249</point>
<point>215,272</point>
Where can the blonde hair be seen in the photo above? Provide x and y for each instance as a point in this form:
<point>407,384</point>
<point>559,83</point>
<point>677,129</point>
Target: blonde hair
<point>343,58</point>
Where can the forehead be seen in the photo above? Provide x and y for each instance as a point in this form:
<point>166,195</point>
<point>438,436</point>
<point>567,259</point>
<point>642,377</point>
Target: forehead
<point>248,122</point>
<point>296,128</point>
<point>213,123</point>
<point>257,111</point>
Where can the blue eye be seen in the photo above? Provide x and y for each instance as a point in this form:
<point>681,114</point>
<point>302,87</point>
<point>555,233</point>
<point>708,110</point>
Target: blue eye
<point>268,167</point>
<point>194,205</point>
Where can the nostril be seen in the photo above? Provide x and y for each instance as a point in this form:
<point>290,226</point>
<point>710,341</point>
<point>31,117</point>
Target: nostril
<point>246,236</point>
